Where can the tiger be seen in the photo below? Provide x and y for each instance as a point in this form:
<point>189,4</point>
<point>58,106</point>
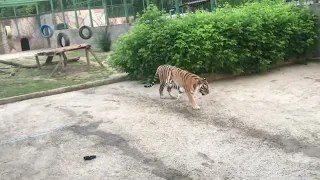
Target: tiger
<point>181,80</point>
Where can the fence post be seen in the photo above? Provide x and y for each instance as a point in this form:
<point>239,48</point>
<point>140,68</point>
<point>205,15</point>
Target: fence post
<point>90,13</point>
<point>112,12</point>
<point>62,10</point>
<point>212,5</point>
<point>75,13</point>
<point>52,14</point>
<point>106,18</point>
<point>132,6</point>
<point>15,20</point>
<point>14,12</point>
<point>177,7</point>
<point>126,10</point>
<point>38,15</point>
<point>161,5</point>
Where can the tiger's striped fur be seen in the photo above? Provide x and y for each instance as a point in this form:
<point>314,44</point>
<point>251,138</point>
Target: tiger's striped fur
<point>182,80</point>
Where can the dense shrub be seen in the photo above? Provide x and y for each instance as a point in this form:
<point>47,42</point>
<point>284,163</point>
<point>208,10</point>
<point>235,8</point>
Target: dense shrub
<point>247,39</point>
<point>102,40</point>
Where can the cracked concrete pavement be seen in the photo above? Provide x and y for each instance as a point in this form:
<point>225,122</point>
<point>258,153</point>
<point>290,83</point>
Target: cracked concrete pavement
<point>255,127</point>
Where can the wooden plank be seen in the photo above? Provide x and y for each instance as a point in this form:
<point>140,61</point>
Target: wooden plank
<point>87,56</point>
<point>45,53</point>
<point>49,59</point>
<point>71,48</point>
<point>62,49</point>
<point>38,62</point>
<point>55,69</point>
<point>62,63</point>
<point>95,56</point>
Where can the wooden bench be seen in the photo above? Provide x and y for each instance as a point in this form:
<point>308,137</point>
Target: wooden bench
<point>51,53</point>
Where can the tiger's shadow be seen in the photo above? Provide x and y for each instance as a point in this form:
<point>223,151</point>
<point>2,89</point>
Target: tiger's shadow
<point>180,106</point>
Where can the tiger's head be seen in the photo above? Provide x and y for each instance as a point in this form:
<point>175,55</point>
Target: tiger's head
<point>204,87</point>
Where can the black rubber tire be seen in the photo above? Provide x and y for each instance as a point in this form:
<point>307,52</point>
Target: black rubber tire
<point>81,33</point>
<point>66,40</point>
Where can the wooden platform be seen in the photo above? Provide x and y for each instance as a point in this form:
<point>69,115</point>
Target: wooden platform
<point>51,53</point>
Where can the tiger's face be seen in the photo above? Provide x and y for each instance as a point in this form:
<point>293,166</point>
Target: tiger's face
<point>204,87</point>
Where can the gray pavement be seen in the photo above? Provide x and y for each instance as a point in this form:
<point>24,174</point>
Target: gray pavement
<point>255,127</point>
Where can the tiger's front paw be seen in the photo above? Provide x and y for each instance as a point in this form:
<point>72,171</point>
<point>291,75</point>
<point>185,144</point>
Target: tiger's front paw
<point>196,107</point>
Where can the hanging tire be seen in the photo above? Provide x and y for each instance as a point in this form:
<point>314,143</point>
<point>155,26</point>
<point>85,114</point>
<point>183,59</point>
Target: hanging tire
<point>49,28</point>
<point>66,40</point>
<point>8,31</point>
<point>81,32</point>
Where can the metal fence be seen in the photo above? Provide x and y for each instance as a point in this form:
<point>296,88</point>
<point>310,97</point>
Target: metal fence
<point>112,8</point>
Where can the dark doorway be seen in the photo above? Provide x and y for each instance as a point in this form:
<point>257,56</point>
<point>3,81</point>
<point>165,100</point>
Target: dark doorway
<point>25,44</point>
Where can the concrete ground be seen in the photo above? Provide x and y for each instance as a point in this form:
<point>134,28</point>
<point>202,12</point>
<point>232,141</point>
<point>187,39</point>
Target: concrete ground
<point>255,127</point>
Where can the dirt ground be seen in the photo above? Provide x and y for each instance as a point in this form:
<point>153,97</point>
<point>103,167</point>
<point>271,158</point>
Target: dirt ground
<point>256,127</point>
<point>21,54</point>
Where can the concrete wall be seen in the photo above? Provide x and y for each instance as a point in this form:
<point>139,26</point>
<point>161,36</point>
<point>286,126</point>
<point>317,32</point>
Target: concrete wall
<point>83,18</point>
<point>28,28</point>
<point>21,28</point>
<point>4,47</point>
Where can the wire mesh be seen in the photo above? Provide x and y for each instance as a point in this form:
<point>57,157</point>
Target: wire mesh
<point>115,8</point>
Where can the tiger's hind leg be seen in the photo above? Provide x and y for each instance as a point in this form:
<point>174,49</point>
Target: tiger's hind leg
<point>165,79</point>
<point>171,85</point>
<point>161,88</point>
<point>181,90</point>
<point>169,88</point>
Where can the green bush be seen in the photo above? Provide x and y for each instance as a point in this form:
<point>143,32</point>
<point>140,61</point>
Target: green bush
<point>102,40</point>
<point>247,39</point>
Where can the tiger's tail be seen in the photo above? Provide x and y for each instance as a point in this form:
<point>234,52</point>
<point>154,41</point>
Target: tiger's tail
<point>156,77</point>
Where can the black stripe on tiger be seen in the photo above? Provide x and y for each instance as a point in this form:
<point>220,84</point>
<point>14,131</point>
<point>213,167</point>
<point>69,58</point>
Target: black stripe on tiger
<point>165,71</point>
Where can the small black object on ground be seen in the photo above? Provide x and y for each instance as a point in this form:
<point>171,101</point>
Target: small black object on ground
<point>88,158</point>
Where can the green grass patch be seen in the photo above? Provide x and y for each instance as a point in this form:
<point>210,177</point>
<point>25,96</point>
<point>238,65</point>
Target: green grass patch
<point>33,80</point>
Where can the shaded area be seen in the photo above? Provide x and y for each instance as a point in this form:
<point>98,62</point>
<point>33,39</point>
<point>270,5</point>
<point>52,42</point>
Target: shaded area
<point>25,46</point>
